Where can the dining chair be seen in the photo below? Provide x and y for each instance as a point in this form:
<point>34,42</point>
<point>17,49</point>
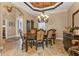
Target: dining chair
<point>54,35</point>
<point>31,36</point>
<point>50,36</point>
<point>33,31</point>
<point>40,38</point>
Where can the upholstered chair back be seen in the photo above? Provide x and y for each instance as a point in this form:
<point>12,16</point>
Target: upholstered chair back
<point>50,33</point>
<point>33,31</point>
<point>40,34</point>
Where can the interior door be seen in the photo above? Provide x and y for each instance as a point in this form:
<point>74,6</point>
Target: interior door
<point>19,25</point>
<point>28,26</point>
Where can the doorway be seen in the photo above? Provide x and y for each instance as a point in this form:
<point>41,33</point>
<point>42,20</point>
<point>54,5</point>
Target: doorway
<point>19,25</point>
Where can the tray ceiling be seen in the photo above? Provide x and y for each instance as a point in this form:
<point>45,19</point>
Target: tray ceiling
<point>27,6</point>
<point>43,4</point>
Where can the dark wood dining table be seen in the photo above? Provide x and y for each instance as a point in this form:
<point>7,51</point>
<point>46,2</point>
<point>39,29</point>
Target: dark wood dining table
<point>31,37</point>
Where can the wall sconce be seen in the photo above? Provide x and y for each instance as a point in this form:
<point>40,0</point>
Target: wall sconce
<point>9,9</point>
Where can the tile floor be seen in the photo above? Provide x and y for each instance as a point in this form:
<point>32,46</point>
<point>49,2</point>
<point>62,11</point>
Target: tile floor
<point>13,48</point>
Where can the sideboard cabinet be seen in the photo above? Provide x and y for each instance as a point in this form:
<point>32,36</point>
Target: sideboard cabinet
<point>67,39</point>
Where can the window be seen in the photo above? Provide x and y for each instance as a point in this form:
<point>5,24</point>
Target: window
<point>41,25</point>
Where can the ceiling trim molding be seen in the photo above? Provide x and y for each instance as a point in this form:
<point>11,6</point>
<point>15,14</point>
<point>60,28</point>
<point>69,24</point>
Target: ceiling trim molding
<point>43,9</point>
<point>61,11</point>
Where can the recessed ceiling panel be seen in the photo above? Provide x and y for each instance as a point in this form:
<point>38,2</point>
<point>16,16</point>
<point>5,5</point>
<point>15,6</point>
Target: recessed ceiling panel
<point>43,4</point>
<point>59,7</point>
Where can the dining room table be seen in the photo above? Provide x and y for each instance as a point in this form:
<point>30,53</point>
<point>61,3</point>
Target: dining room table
<point>32,37</point>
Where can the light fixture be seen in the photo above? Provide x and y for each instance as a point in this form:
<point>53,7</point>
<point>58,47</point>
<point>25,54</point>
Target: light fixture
<point>9,8</point>
<point>43,17</point>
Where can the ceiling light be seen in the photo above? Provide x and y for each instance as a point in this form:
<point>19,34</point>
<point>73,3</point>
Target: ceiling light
<point>43,17</point>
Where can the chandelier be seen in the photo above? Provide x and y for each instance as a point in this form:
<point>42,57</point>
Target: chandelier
<point>43,17</point>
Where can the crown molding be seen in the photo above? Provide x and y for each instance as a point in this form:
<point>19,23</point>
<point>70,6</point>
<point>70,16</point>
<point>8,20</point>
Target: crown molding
<point>45,9</point>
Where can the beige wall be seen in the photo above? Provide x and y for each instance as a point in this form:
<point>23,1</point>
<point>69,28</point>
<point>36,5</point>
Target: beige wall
<point>58,21</point>
<point>11,29</point>
<point>62,19</point>
<point>0,20</point>
<point>11,17</point>
<point>74,8</point>
<point>26,16</point>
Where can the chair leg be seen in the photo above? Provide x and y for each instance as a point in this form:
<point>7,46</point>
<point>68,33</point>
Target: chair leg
<point>31,44</point>
<point>43,45</point>
<point>46,43</point>
<point>26,46</point>
<point>36,45</point>
<point>54,40</point>
<point>51,42</point>
<point>22,45</point>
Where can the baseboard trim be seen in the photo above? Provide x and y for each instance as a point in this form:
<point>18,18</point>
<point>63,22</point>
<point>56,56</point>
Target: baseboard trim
<point>19,36</point>
<point>13,36</point>
<point>59,38</point>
